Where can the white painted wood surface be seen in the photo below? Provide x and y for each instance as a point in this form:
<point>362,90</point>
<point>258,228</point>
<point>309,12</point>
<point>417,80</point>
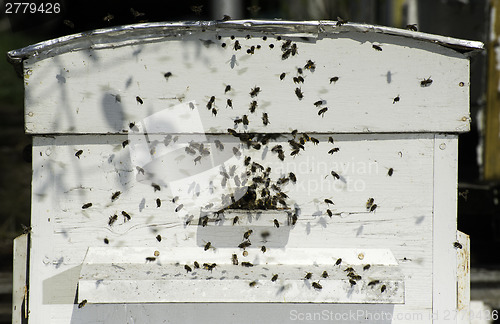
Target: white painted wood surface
<point>19,280</point>
<point>94,90</point>
<point>63,231</point>
<point>463,273</point>
<point>444,279</point>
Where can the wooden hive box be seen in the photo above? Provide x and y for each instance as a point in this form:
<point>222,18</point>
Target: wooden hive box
<point>151,149</point>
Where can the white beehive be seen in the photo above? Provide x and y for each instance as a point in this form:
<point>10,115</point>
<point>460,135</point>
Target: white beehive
<point>125,199</point>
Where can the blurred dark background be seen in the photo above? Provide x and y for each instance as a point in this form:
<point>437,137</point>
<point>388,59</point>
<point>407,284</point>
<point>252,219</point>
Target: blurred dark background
<point>479,168</point>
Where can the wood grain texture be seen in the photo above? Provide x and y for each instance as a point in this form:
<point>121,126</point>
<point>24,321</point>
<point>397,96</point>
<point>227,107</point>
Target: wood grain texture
<point>96,90</point>
<point>63,183</point>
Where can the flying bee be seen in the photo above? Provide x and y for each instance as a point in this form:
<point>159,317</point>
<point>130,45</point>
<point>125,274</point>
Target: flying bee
<point>158,238</point>
<point>286,54</point>
<point>322,111</point>
<point>318,103</point>
<point>274,278</point>
<point>330,140</point>
<point>112,219</point>
<point>251,50</point>
<point>178,208</point>
<point>282,75</point>
<point>229,103</point>
<point>276,223</point>
<point>187,268</point>
<point>235,220</point>
<point>125,143</point>
<point>255,91</point>
<point>156,187</point>
<point>253,284</point>
<point>82,304</point>
<point>308,276</point>
<point>315,141</point>
<point>299,93</point>
<point>310,65</point>
<point>395,100</point>
<point>383,288</point>
<point>426,82</point>
<point>245,120</point>
<point>204,221</point>
<point>390,172</point>
<point>339,261</point>
<point>209,266</point>
<point>286,45</point>
<point>158,202</point>
<point>139,100</point>
<point>247,264</point>
<point>265,119</point>
<point>237,45</point>
<point>366,267</point>
<point>299,71</point>
<point>369,203</point>
<point>238,121</point>
<point>253,106</point>
<point>247,234</point>
<point>292,177</point>
<point>126,216</point>
<point>324,274</point>
<point>106,241</point>
<point>196,9</point>
<point>87,205</point>
<point>317,286</point>
<point>78,153</point>
<point>234,259</point>
<point>373,207</point>
<point>373,282</point>
<point>295,152</point>
<point>294,132</point>
<point>328,201</point>
<point>334,79</point>
<point>412,27</point>
<point>263,249</point>
<point>329,212</point>
<point>377,48</point>
<point>207,246</point>
<point>196,265</point>
<point>457,245</point>
<point>228,88</point>
<point>341,21</point>
<point>167,75</point>
<point>214,112</point>
<point>197,159</point>
<point>276,148</point>
<point>335,175</point>
<point>150,259</point>
<point>244,244</point>
<point>115,195</point>
<point>333,150</point>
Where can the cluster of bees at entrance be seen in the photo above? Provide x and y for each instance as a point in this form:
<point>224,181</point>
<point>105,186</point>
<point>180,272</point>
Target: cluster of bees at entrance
<point>263,193</point>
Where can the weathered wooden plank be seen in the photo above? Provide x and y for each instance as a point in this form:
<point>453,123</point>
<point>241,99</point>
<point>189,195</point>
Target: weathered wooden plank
<point>63,231</point>
<point>88,91</point>
<point>444,279</point>
<point>19,280</point>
